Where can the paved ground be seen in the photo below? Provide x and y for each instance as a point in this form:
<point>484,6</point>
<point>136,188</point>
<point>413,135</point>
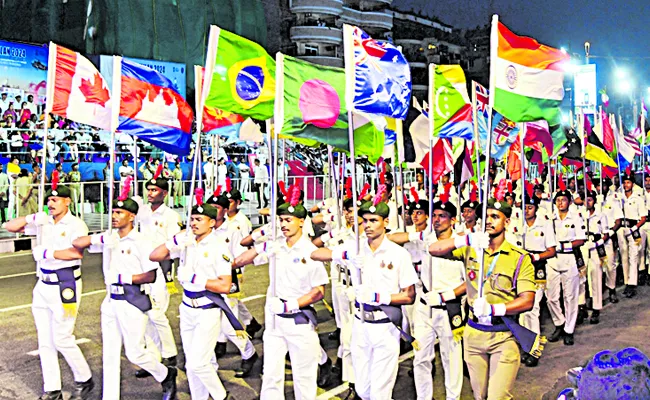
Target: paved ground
<point>624,324</point>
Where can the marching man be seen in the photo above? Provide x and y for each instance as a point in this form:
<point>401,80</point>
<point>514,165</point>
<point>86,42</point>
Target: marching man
<point>124,310</point>
<point>297,282</point>
<point>57,294</point>
<point>159,223</point>
<point>383,280</point>
<point>205,273</point>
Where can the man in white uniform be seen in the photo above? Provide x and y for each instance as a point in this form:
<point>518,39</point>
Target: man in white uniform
<point>613,211</point>
<point>565,273</point>
<point>57,295</point>
<point>127,270</point>
<point>205,273</point>
<point>290,317</point>
<point>383,280</point>
<point>159,223</point>
<point>261,180</point>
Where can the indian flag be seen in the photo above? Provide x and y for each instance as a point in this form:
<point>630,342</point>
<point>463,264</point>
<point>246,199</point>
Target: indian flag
<point>525,77</point>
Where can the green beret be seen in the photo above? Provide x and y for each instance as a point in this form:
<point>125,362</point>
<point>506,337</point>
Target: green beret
<point>129,205</point>
<point>220,200</point>
<point>502,206</point>
<point>205,209</point>
<point>233,195</point>
<point>159,182</point>
<point>61,191</point>
<point>297,211</point>
<point>380,209</point>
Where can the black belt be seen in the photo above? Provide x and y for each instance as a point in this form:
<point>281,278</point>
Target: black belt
<point>494,320</point>
<point>63,275</point>
<point>628,223</point>
<point>596,237</point>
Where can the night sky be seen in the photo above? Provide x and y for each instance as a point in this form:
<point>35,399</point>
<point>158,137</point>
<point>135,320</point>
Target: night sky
<point>614,28</point>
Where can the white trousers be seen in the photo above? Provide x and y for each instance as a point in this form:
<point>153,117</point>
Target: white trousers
<point>199,332</point>
<point>530,319</point>
<point>629,256</point>
<point>610,268</point>
<point>375,353</point>
<point>301,341</point>
<point>594,277</point>
<point>55,334</point>
<point>244,345</point>
<point>124,323</point>
<point>426,329</point>
<point>644,246</point>
<point>564,275</point>
<point>159,337</point>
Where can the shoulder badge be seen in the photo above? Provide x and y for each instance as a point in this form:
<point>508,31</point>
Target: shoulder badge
<point>225,257</point>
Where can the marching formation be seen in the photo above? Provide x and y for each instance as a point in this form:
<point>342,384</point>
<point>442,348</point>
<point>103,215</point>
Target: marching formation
<point>435,279</point>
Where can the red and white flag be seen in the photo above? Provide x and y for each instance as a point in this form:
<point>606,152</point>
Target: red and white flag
<point>76,90</point>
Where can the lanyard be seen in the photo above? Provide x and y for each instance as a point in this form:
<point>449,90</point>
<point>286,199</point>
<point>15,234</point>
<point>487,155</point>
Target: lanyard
<point>491,269</point>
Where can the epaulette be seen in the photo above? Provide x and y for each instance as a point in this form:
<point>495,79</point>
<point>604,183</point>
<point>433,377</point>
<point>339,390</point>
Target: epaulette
<point>225,257</point>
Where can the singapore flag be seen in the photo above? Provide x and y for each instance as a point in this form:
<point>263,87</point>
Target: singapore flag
<point>76,90</point>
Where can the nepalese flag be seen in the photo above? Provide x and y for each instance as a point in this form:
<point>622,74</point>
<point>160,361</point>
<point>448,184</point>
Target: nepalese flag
<point>382,77</point>
<point>151,109</point>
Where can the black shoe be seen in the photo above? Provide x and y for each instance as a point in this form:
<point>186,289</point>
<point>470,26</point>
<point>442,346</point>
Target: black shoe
<point>82,390</point>
<point>53,395</point>
<point>337,369</point>
<point>246,367</point>
<point>524,357</point>
<point>142,373</point>
<point>169,362</point>
<point>335,335</point>
<point>632,292</point>
<point>626,291</point>
<point>595,317</point>
<point>642,277</point>
<point>568,339</point>
<point>169,384</point>
<point>582,315</point>
<point>220,349</point>
<point>531,361</point>
<point>613,298</point>
<point>324,374</point>
<point>557,333</point>
<point>253,328</point>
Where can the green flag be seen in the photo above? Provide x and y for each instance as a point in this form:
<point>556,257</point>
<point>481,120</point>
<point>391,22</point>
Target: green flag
<point>313,109</point>
<point>448,98</point>
<point>243,78</point>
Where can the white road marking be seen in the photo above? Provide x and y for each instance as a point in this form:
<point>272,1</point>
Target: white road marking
<point>21,307</point>
<point>257,296</point>
<point>342,388</point>
<point>78,341</point>
<point>17,275</point>
<point>17,254</point>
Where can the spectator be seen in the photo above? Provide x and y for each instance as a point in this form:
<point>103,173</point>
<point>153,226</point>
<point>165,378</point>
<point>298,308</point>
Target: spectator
<point>125,171</point>
<point>244,171</point>
<point>222,172</point>
<point>74,179</point>
<point>4,103</point>
<point>12,186</point>
<point>25,114</point>
<point>36,167</point>
<point>33,108</point>
<point>62,175</point>
<point>25,193</point>
<point>260,182</point>
<point>26,137</point>
<point>10,112</point>
<point>208,173</point>
<point>16,140</point>
<point>177,190</point>
<point>4,195</point>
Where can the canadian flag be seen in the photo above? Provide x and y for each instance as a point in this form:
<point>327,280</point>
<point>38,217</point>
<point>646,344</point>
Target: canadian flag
<point>76,90</point>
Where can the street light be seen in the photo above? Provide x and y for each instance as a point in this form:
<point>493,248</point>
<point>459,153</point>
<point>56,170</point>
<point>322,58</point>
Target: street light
<point>621,73</point>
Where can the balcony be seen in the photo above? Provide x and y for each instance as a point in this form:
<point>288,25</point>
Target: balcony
<point>319,34</point>
<point>324,60</point>
<point>330,7</point>
<point>375,19</point>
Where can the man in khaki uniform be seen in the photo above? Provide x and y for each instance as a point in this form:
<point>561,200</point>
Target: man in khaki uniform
<point>491,351</point>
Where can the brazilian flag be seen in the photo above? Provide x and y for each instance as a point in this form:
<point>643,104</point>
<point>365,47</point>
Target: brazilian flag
<point>243,79</point>
<point>313,109</point>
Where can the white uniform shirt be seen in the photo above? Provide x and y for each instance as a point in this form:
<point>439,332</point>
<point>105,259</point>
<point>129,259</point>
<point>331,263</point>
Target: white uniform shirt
<point>634,206</point>
<point>612,209</point>
<point>387,269</point>
<point>125,171</point>
<point>447,274</point>
<point>232,235</point>
<point>417,249</point>
<point>261,174</point>
<point>242,220</point>
<point>59,236</point>
<point>160,225</point>
<point>209,258</point>
<point>597,223</point>
<point>296,274</point>
<point>129,257</point>
<point>538,237</point>
<point>571,228</point>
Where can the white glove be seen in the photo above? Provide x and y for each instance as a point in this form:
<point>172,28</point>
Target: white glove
<point>41,253</point>
<point>477,240</point>
<point>634,228</point>
<point>39,219</point>
<point>339,256</point>
<point>416,236</point>
<point>271,248</point>
<point>108,239</point>
<point>350,293</point>
<point>258,234</point>
<point>187,276</point>
<point>433,299</point>
<point>367,295</point>
<point>180,241</point>
<point>327,236</point>
<point>358,262</point>
<point>567,247</point>
<point>120,279</point>
<point>483,309</point>
<point>534,257</point>
<point>277,306</point>
<point>328,217</point>
<point>449,295</point>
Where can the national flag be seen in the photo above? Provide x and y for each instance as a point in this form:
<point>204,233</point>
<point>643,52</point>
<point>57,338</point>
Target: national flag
<point>450,104</point>
<point>243,79</point>
<point>443,161</point>
<point>76,90</point>
<point>527,77</point>
<point>596,151</point>
<point>390,138</point>
<point>608,132</point>
<point>311,109</point>
<point>626,149</point>
<point>573,145</point>
<point>504,133</point>
<point>217,121</point>
<point>379,75</point>
<point>559,139</point>
<point>513,165</point>
<point>538,137</point>
<point>151,109</point>
<point>463,167</point>
<point>419,134</point>
<point>482,105</point>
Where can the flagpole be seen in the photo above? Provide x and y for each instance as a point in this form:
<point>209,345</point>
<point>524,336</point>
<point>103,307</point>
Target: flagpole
<point>135,167</point>
<point>49,104</point>
<point>399,127</point>
<point>618,165</point>
<point>522,156</point>
<point>476,138</point>
<point>642,128</point>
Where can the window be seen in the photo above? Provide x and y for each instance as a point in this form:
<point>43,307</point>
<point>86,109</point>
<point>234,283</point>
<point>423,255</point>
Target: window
<point>311,50</point>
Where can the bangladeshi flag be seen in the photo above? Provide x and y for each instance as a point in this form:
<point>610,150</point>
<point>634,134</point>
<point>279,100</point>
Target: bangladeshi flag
<point>313,109</point>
